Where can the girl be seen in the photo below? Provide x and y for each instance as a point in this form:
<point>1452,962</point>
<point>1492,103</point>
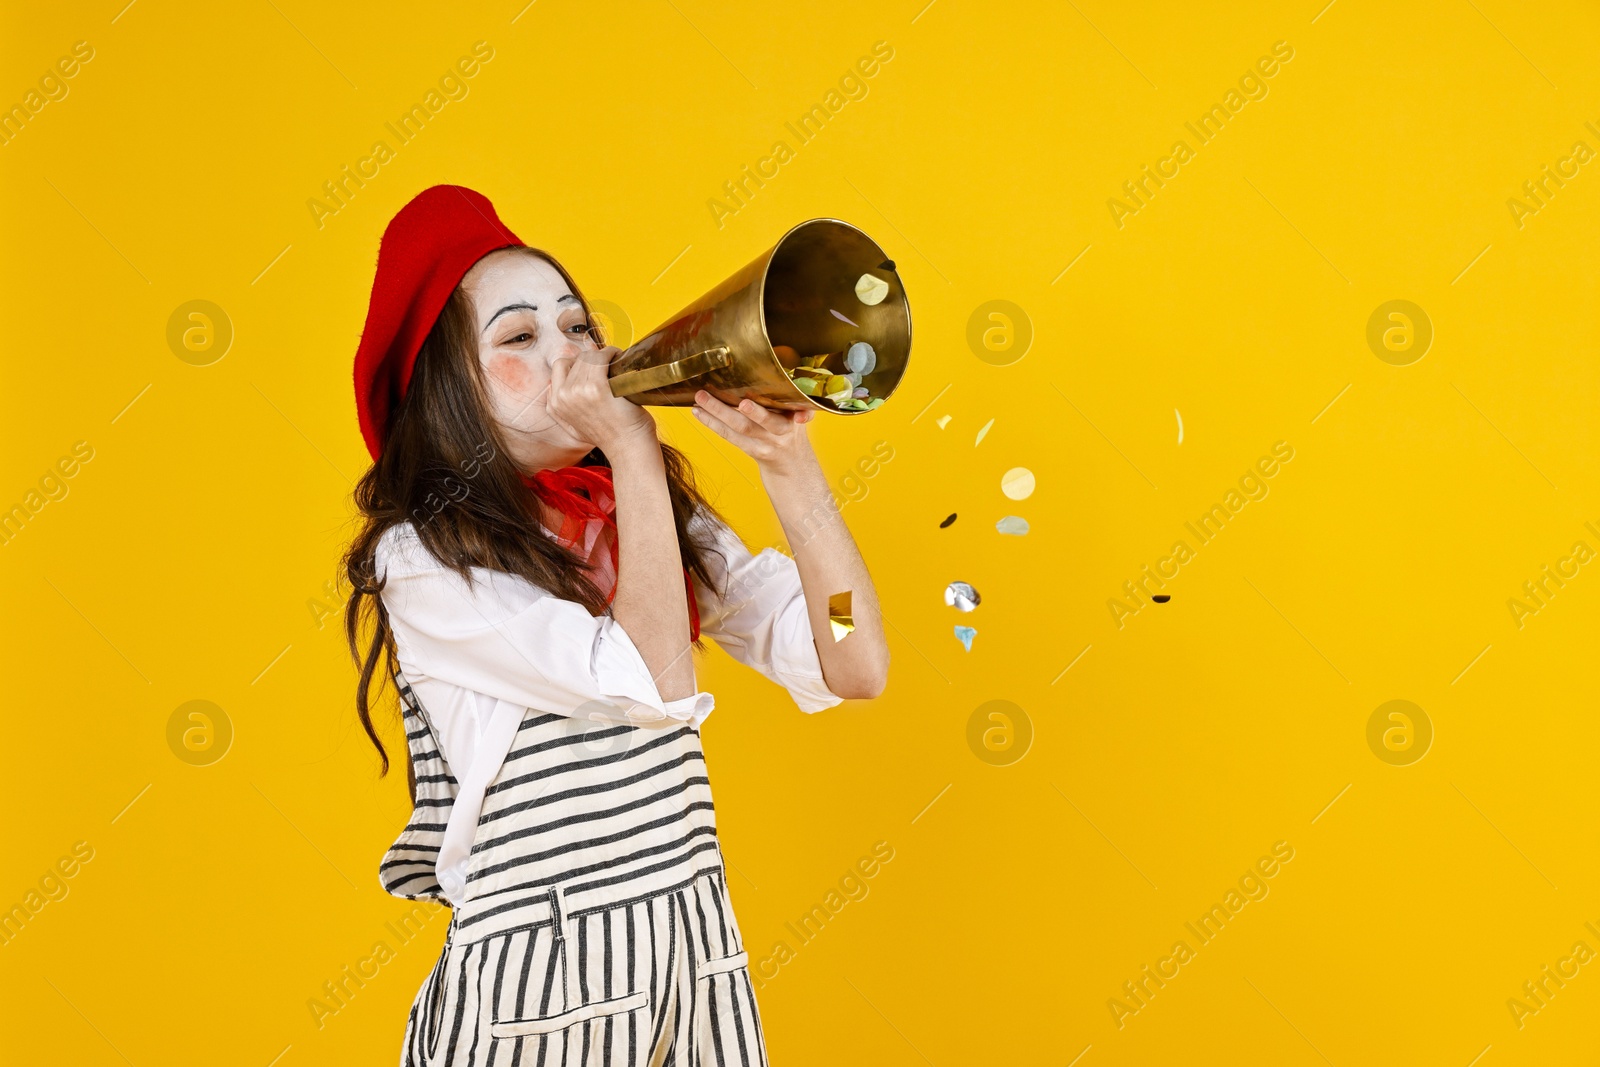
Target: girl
<point>536,564</point>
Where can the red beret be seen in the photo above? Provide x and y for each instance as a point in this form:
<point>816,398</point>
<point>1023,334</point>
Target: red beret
<point>425,251</point>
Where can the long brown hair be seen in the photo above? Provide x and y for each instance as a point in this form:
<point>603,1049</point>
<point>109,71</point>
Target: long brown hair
<point>444,468</point>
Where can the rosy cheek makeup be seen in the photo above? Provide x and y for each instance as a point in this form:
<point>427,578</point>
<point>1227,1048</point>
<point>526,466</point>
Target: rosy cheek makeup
<point>511,372</point>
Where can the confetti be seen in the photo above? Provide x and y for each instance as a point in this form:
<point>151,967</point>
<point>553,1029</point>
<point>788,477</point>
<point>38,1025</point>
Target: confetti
<point>812,377</point>
<point>870,289</point>
<point>839,617</point>
<point>1017,483</point>
<point>1178,413</point>
<point>948,521</point>
<point>966,634</point>
<point>961,595</point>
<point>860,358</point>
<point>982,432</point>
<point>943,421</point>
<point>841,318</point>
<point>1161,598</point>
<point>1012,524</point>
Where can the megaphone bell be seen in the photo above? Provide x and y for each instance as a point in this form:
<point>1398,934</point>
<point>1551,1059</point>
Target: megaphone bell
<point>800,304</point>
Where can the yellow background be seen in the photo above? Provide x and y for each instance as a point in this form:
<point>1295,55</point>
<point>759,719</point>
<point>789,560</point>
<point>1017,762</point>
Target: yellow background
<point>1171,755</point>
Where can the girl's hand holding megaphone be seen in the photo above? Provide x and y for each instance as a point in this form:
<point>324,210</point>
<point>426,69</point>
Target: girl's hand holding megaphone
<point>581,400</point>
<point>776,440</point>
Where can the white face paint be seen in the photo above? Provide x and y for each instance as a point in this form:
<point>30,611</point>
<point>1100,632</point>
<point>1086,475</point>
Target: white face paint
<point>527,316</point>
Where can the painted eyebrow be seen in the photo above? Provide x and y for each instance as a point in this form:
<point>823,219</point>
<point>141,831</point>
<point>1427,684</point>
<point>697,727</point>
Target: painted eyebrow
<point>525,307</point>
<point>508,307</point>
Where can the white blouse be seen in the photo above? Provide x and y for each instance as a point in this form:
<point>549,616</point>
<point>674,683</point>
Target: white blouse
<point>477,657</point>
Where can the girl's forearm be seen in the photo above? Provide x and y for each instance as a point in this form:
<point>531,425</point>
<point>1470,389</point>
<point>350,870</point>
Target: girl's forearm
<point>829,562</point>
<point>651,603</point>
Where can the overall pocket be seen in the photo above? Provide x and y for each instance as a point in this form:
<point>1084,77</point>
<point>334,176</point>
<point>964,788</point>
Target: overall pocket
<point>571,1018</point>
<point>707,968</point>
<point>524,1012</point>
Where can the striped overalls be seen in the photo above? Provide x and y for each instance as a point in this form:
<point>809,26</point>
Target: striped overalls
<point>597,928</point>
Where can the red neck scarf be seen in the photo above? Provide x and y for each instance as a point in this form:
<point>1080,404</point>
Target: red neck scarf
<point>564,489</point>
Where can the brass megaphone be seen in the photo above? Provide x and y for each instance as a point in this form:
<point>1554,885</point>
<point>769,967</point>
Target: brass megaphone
<point>795,302</point>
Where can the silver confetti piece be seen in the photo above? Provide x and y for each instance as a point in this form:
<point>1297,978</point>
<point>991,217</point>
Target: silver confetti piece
<point>961,595</point>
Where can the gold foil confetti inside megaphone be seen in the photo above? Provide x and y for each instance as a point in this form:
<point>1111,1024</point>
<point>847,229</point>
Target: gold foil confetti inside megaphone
<point>773,331</point>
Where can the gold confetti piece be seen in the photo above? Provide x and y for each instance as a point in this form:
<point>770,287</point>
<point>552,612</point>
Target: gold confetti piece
<point>943,421</point>
<point>981,432</point>
<point>839,617</point>
<point>871,289</point>
<point>1017,483</point>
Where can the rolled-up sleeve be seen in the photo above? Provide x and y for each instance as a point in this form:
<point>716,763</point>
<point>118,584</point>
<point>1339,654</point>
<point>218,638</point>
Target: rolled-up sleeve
<point>760,617</point>
<point>505,637</point>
